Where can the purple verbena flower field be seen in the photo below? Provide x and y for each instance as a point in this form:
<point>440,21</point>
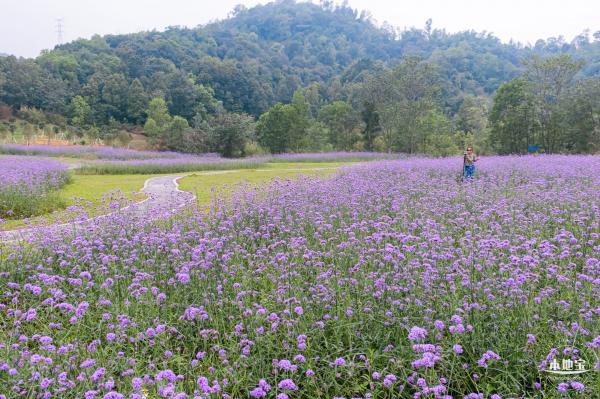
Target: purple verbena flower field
<point>392,279</point>
<point>27,184</point>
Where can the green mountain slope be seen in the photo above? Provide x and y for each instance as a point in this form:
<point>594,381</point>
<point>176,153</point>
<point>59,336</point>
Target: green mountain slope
<point>255,58</point>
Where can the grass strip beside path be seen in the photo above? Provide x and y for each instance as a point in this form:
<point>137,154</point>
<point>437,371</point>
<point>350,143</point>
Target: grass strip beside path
<point>207,187</point>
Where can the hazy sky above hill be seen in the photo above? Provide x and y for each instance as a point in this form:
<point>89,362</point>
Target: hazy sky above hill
<point>28,26</point>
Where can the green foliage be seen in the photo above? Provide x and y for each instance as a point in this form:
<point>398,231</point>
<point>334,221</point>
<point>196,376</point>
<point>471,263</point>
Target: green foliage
<point>25,83</point>
<point>472,116</point>
<point>547,107</point>
<point>32,115</point>
<point>81,112</point>
<point>403,107</point>
<point>137,101</point>
<point>158,120</point>
<point>252,148</point>
<point>114,96</point>
<point>438,139</point>
<point>550,79</point>
<point>283,128</point>
<point>379,144</point>
<point>158,112</point>
<point>173,137</point>
<point>582,117</point>
<point>512,118</point>
<point>237,85</point>
<point>317,138</point>
<point>123,138</point>
<point>2,83</point>
<point>370,118</point>
<point>152,131</point>
<point>207,104</point>
<point>28,131</point>
<point>230,133</point>
<point>271,129</point>
<point>343,123</point>
<point>186,98</point>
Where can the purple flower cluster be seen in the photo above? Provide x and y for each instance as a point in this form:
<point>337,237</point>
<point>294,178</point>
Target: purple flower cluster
<point>25,182</point>
<point>31,174</point>
<point>487,356</point>
<point>417,333</point>
<point>86,151</point>
<point>337,156</point>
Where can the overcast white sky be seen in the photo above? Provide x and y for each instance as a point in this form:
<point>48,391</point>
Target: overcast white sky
<point>28,26</point>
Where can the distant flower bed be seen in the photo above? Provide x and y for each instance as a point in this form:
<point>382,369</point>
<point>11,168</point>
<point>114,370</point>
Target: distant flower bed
<point>89,152</point>
<point>336,157</point>
<point>178,164</point>
<point>28,185</point>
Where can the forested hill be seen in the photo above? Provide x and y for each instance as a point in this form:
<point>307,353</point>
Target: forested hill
<point>258,57</point>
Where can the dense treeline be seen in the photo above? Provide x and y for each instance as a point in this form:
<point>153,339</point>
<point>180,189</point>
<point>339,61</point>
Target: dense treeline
<point>548,108</point>
<point>315,78</point>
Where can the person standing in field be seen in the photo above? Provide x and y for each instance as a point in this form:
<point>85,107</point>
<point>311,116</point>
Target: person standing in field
<point>469,163</point>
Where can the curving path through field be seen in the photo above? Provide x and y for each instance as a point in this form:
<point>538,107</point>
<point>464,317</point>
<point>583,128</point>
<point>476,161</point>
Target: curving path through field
<point>163,195</point>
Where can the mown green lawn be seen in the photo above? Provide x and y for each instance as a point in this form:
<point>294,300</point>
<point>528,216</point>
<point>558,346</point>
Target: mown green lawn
<point>208,186</point>
<point>95,187</point>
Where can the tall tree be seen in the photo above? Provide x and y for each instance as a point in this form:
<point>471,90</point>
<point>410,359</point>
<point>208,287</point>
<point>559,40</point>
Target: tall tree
<point>114,97</point>
<point>403,97</point>
<point>137,102</point>
<point>28,131</point>
<point>284,127</point>
<point>550,79</point>
<point>230,132</point>
<point>182,95</point>
<point>272,129</point>
<point>158,120</point>
<point>343,123</point>
<point>174,136</point>
<point>416,86</point>
<point>582,117</point>
<point>81,112</point>
<point>472,116</point>
<point>513,117</point>
<point>370,118</point>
